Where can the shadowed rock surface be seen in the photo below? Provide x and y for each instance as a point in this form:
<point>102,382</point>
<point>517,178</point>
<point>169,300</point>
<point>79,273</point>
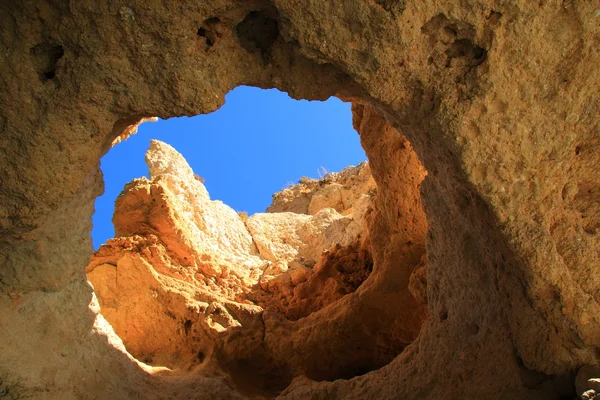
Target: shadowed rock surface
<point>495,102</point>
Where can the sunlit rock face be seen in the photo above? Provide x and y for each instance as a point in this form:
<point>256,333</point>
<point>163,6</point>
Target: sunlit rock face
<point>207,237</point>
<point>483,282</point>
<point>187,280</point>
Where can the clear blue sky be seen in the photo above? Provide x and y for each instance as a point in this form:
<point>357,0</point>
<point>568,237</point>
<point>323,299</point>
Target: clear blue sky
<point>256,144</point>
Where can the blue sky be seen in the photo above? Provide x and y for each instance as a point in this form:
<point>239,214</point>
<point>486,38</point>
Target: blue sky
<point>256,144</point>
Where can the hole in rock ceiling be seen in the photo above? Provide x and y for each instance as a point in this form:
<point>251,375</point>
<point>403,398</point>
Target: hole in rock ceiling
<point>206,286</point>
<point>257,143</point>
<point>47,56</point>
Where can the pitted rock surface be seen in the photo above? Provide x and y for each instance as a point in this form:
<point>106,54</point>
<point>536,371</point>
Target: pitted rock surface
<point>480,123</point>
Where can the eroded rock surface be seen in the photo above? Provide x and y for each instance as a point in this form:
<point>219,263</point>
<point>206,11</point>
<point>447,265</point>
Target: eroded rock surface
<point>496,100</point>
<point>186,274</point>
<point>341,191</point>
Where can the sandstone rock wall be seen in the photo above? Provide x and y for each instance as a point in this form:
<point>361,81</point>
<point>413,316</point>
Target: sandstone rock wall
<point>497,100</point>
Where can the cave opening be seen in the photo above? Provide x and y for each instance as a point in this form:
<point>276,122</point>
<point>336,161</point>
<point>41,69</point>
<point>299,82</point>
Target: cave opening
<point>258,143</point>
<point>192,285</point>
<point>499,105</point>
<point>329,283</point>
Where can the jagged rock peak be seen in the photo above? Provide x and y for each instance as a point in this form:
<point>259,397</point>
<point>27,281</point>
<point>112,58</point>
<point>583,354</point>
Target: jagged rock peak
<point>162,159</point>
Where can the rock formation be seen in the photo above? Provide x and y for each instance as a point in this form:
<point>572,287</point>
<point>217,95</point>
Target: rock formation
<point>480,123</point>
<point>187,281</point>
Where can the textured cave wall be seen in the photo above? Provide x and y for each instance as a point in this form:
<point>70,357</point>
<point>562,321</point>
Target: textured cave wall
<point>498,99</point>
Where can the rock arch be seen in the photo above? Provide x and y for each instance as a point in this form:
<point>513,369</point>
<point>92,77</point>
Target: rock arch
<point>503,119</point>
